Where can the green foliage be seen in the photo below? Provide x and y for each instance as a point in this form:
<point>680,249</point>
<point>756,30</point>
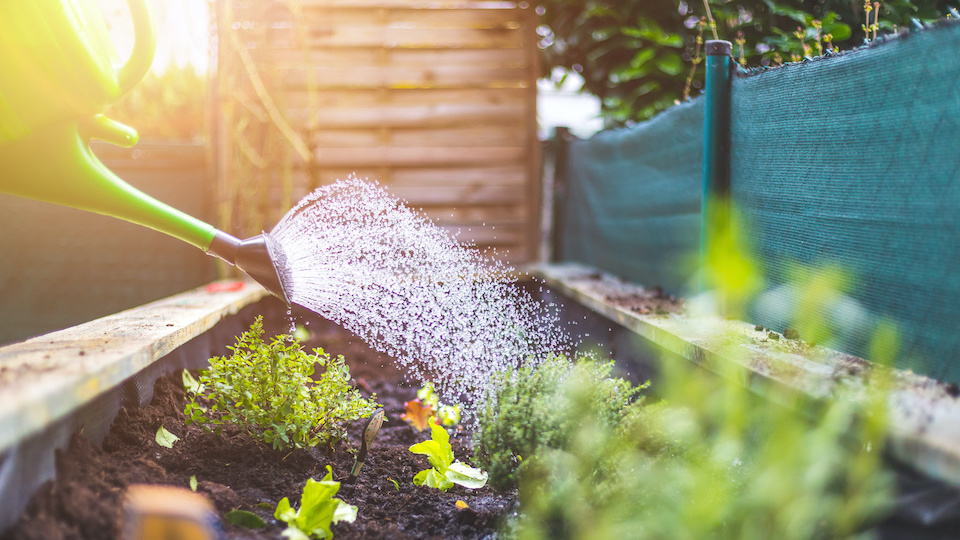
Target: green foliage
<point>165,438</point>
<point>318,510</point>
<point>266,388</point>
<point>445,472</point>
<point>530,409</point>
<point>243,518</point>
<point>637,56</point>
<point>712,460</point>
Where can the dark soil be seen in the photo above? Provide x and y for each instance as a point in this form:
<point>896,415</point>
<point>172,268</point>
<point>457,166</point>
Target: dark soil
<point>84,502</point>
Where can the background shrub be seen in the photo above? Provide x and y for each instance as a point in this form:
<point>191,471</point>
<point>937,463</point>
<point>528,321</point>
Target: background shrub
<point>531,409</point>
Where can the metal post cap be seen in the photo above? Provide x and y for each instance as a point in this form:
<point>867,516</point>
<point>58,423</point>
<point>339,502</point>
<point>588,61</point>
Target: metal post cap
<point>718,47</point>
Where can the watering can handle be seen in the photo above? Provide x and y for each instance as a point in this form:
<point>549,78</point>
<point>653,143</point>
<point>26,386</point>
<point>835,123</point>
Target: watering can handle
<point>145,42</point>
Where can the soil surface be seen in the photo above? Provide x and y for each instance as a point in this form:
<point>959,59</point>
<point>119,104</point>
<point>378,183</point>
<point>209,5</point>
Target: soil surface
<point>84,502</point>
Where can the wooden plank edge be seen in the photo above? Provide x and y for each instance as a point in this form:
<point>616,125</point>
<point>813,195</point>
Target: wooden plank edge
<point>46,378</point>
<point>923,419</point>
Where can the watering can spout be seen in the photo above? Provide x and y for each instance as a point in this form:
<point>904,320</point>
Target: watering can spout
<point>260,257</point>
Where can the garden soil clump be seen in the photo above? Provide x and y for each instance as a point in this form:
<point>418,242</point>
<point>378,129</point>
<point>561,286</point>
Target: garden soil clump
<point>85,500</point>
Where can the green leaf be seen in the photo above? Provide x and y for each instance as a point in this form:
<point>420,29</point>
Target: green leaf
<point>670,63</point>
<point>434,479</point>
<point>165,438</point>
<point>243,518</point>
<point>284,512</point>
<point>642,57</point>
<point>345,512</point>
<point>419,478</point>
<point>466,476</point>
<point>190,384</point>
<point>438,449</point>
<point>318,509</point>
<point>294,533</point>
<point>432,450</point>
<point>395,484</point>
<point>840,31</point>
<point>301,333</point>
<point>193,483</point>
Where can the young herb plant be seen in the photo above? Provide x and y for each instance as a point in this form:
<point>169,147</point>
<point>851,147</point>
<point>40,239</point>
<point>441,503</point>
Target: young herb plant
<point>529,409</point>
<point>445,471</point>
<point>266,388</point>
<point>318,510</point>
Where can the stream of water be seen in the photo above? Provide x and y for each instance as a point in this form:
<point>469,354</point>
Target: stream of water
<point>358,256</point>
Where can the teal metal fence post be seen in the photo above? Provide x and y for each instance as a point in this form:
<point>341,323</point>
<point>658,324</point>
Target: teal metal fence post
<point>561,147</point>
<point>716,149</point>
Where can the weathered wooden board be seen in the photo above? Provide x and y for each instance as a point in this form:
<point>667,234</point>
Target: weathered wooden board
<point>46,378</point>
<point>385,156</point>
<point>394,76</point>
<point>924,420</point>
<point>442,137</point>
<point>299,98</point>
<point>395,57</point>
<point>435,99</point>
<point>438,115</point>
<point>408,14</point>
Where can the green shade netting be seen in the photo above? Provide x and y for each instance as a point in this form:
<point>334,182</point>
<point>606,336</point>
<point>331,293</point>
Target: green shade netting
<point>854,162</point>
<point>631,205</point>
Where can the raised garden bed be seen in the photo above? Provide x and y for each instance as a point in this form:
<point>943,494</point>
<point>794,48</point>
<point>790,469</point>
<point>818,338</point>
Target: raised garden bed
<point>237,473</point>
<point>108,368</point>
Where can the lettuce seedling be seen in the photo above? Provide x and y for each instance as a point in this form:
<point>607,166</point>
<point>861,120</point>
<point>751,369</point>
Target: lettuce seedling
<point>318,510</point>
<point>445,472</point>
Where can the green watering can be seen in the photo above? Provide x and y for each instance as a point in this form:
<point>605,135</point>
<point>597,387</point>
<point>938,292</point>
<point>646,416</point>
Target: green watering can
<point>57,73</point>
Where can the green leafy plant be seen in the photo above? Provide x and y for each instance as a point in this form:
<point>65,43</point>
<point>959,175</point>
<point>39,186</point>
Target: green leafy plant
<point>244,518</point>
<point>445,472</point>
<point>165,438</point>
<point>318,510</point>
<point>529,409</point>
<point>712,460</point>
<point>637,55</point>
<point>266,388</point>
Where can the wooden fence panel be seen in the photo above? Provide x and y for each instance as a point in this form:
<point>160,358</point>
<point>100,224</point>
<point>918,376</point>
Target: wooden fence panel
<point>435,100</point>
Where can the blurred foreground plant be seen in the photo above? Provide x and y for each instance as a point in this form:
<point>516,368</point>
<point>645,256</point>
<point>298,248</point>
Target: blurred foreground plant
<point>712,460</point>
